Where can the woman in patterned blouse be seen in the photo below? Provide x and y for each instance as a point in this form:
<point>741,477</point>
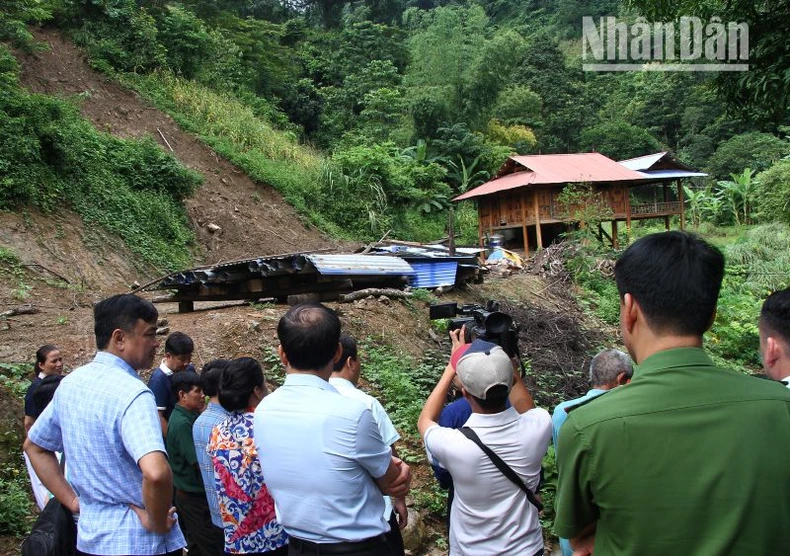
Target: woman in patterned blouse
<point>245,504</point>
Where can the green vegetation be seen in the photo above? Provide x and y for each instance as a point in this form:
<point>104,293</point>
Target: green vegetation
<point>370,118</point>
<point>52,157</point>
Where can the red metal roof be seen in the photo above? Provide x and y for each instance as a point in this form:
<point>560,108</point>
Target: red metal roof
<point>549,169</point>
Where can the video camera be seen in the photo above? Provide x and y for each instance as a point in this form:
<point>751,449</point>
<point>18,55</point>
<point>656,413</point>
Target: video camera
<point>485,322</point>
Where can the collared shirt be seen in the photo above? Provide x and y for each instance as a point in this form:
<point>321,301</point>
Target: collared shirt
<point>320,452</point>
<point>247,508</point>
<point>490,515</point>
<point>560,413</point>
<point>104,419</point>
<point>557,419</point>
<point>388,433</point>
<point>688,458</point>
<point>159,383</point>
<point>786,380</point>
<point>181,451</point>
<point>201,432</point>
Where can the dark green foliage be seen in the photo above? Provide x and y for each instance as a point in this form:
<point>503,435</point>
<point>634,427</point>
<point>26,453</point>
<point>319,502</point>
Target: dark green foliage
<point>16,15</point>
<point>761,94</point>
<point>773,193</point>
<point>754,150</point>
<point>618,140</point>
<point>118,34</point>
<point>50,157</point>
<point>368,188</point>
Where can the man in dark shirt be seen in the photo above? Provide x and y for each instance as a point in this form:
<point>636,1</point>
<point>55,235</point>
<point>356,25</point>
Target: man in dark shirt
<point>178,358</point>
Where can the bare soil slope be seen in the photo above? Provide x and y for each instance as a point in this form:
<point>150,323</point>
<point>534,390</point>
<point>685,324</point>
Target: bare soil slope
<point>254,218</point>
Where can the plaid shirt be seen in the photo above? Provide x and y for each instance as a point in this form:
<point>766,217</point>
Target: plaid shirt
<point>103,417</point>
<point>201,432</point>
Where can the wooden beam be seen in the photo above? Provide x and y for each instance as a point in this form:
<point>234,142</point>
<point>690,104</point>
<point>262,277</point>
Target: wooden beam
<point>480,223</point>
<point>627,212</point>
<point>524,220</point>
<point>682,207</point>
<point>538,234</point>
<point>666,200</point>
<point>614,235</point>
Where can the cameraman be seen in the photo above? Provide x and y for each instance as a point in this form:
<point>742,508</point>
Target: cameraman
<point>490,514</point>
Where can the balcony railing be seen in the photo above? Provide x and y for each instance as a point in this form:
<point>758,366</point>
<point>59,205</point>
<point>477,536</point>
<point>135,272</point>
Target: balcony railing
<point>665,207</point>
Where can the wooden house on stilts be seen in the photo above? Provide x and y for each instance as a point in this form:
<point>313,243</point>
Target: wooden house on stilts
<point>523,201</point>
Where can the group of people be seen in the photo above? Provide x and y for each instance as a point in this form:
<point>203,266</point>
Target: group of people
<point>678,457</point>
<point>152,469</point>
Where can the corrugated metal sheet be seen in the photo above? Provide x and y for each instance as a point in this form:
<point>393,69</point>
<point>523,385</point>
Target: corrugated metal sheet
<point>642,162</point>
<point>432,274</point>
<point>672,174</point>
<point>552,169</point>
<point>360,265</point>
<point>661,166</point>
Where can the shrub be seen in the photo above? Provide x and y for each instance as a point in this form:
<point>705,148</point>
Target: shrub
<point>773,193</point>
<point>753,150</point>
<point>15,507</point>
<point>51,157</point>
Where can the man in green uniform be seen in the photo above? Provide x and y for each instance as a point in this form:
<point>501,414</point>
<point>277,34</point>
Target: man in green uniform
<point>203,537</point>
<point>689,458</point>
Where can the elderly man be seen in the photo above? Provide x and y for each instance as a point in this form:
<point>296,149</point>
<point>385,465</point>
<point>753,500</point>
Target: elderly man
<point>104,419</point>
<point>322,455</point>
<point>609,369</point>
<point>689,458</point>
<point>775,336</point>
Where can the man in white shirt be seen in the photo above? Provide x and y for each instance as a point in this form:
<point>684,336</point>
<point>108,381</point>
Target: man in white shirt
<point>775,335</point>
<point>345,378</point>
<point>323,458</point>
<point>490,514</point>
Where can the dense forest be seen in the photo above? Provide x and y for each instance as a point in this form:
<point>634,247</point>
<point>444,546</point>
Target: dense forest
<point>370,116</point>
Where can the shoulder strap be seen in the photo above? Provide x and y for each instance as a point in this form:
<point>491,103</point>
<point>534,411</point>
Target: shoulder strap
<point>502,466</point>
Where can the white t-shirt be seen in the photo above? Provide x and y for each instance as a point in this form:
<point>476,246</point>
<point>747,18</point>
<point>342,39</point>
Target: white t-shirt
<point>491,515</point>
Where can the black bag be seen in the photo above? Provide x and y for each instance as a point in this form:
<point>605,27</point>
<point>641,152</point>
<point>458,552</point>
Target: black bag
<point>53,534</point>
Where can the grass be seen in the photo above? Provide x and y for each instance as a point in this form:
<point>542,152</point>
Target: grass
<point>233,129</point>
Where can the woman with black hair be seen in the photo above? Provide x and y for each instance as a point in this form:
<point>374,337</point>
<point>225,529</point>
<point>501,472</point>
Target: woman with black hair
<point>48,370</point>
<point>49,362</point>
<point>245,504</point>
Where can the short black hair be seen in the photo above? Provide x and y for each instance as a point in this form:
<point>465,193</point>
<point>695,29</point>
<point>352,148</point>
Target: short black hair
<point>675,277</point>
<point>349,345</point>
<point>184,382</point>
<point>179,343</point>
<point>775,314</point>
<point>239,379</point>
<point>309,334</point>
<point>211,375</point>
<point>122,312</point>
<point>496,398</point>
<point>44,393</point>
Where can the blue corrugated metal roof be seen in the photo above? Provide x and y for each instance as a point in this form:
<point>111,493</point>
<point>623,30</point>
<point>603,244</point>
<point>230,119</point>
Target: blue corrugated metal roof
<point>672,174</point>
<point>333,265</point>
<point>432,274</point>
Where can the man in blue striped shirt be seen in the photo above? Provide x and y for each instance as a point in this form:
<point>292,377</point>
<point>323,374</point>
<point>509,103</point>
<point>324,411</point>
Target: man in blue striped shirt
<point>201,432</point>
<point>104,419</point>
